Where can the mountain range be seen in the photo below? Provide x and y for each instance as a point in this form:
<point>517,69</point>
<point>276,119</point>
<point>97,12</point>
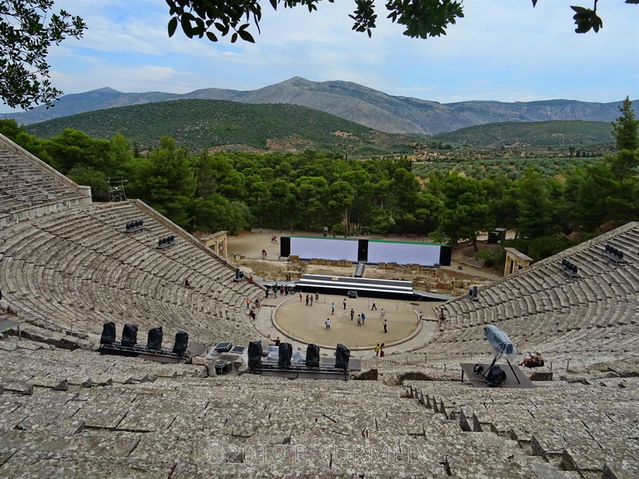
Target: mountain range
<point>347,100</point>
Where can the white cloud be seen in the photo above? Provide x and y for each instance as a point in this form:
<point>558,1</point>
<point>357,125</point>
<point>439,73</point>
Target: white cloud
<point>502,50</point>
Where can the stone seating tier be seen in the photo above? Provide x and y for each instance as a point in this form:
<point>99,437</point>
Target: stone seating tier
<point>28,184</point>
<point>542,309</point>
<point>182,425</point>
<point>559,421</point>
<point>77,269</point>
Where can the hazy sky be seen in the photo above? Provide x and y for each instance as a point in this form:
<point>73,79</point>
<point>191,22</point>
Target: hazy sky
<point>502,50</point>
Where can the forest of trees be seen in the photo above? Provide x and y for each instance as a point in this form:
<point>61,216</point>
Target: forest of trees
<point>307,191</point>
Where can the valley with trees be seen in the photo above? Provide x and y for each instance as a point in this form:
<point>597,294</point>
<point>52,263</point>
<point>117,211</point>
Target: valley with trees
<point>550,208</point>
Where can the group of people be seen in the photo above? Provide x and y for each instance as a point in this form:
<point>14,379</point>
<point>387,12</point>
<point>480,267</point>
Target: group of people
<point>361,317</point>
<point>278,289</point>
<point>310,298</point>
<point>252,307</point>
<point>379,350</point>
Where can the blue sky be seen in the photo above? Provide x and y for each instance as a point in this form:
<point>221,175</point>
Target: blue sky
<point>502,50</point>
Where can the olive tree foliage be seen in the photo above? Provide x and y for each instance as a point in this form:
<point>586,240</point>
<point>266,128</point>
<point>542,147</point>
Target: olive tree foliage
<point>27,29</point>
<point>421,18</point>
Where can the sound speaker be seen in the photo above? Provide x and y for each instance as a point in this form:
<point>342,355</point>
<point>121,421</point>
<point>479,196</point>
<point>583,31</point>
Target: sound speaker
<point>445,254</point>
<point>362,250</point>
<point>130,335</point>
<point>108,333</point>
<point>155,338</point>
<point>342,357</point>
<point>255,354</point>
<point>285,246</point>
<point>285,353</point>
<point>181,343</point>
<point>472,292</point>
<point>312,356</point>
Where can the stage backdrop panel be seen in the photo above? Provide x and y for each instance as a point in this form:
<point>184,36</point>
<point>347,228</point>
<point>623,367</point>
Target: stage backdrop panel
<point>424,254</point>
<point>308,247</point>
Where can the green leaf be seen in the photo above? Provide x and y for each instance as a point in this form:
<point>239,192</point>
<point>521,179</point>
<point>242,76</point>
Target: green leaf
<point>246,36</point>
<point>173,23</point>
<point>234,38</point>
<point>211,36</point>
<point>186,25</point>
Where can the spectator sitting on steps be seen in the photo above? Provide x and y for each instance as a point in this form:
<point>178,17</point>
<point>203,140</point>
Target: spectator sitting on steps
<point>533,361</point>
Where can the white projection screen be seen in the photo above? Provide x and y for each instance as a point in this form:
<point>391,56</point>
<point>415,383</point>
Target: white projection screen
<point>325,248</point>
<point>423,254</point>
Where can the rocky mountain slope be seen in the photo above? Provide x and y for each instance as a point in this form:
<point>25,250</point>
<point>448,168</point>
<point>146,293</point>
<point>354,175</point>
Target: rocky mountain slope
<point>350,101</point>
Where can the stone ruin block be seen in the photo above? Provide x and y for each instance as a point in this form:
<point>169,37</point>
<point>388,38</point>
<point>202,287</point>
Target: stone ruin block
<point>543,375</point>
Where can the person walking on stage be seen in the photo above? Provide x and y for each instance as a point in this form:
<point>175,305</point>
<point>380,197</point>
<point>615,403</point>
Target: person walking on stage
<point>328,323</point>
<point>363,318</point>
<point>381,351</point>
<point>374,306</point>
<point>332,309</point>
<point>385,326</point>
<point>344,304</point>
<point>377,350</point>
<point>352,313</point>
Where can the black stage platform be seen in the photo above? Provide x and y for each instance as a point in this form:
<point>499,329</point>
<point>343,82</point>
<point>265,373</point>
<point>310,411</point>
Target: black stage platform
<point>326,370</point>
<point>516,380</point>
<point>164,355</point>
<point>368,287</point>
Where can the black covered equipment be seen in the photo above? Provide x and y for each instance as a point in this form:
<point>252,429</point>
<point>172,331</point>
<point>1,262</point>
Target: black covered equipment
<point>495,377</point>
<point>130,335</point>
<point>342,357</point>
<point>285,353</point>
<point>155,338</point>
<point>312,356</point>
<point>181,343</point>
<point>108,333</point>
<point>255,354</point>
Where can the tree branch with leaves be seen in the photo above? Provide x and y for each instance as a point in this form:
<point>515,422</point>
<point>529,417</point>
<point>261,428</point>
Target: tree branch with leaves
<point>26,34</point>
<point>421,18</point>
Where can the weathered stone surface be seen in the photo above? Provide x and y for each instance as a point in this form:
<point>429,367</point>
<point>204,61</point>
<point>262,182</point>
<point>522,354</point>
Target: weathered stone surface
<point>368,375</point>
<point>540,375</point>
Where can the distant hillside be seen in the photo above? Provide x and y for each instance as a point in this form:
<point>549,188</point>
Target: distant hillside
<point>535,134</point>
<point>350,101</point>
<point>206,124</point>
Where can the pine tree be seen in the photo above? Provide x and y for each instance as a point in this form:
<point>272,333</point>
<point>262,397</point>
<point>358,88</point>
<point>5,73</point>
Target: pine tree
<point>625,128</point>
